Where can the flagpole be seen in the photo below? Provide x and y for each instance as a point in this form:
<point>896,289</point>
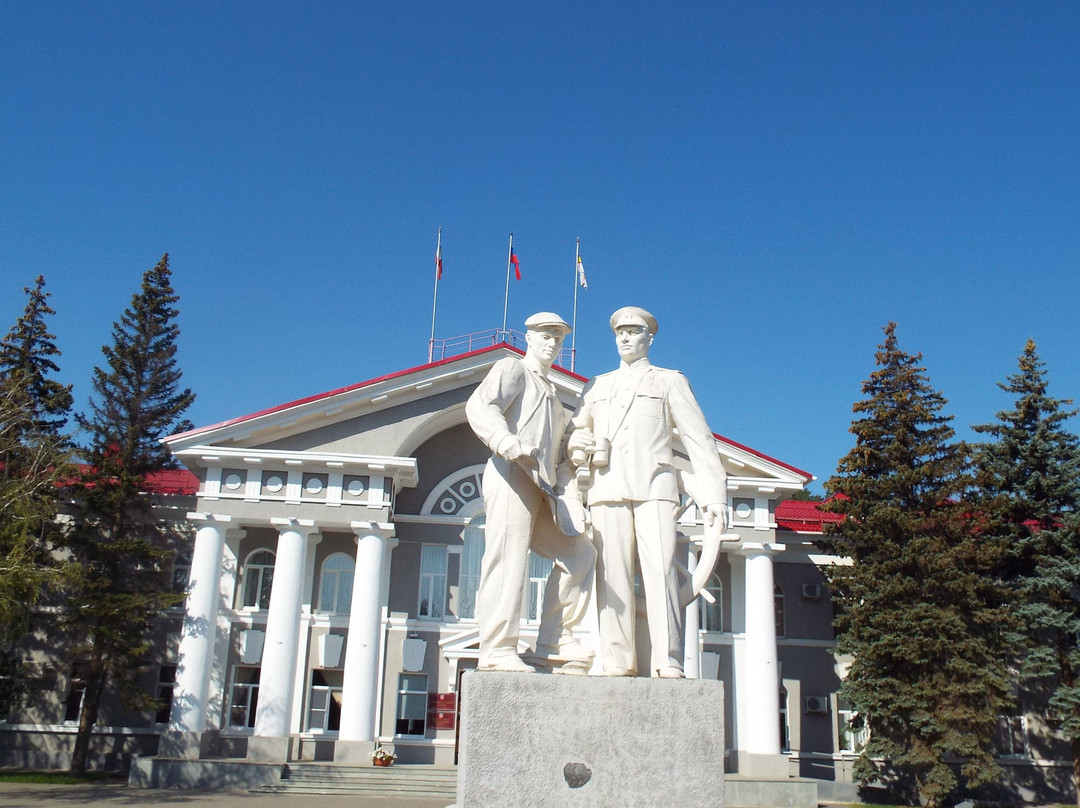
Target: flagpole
<point>435,297</point>
<point>506,298</point>
<point>573,332</point>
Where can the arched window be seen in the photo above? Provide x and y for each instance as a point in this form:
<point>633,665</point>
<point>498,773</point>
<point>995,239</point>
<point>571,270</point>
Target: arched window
<point>336,584</point>
<point>258,579</point>
<point>710,615</point>
<point>778,606</point>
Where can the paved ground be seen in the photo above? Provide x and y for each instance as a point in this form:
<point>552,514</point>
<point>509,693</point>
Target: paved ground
<point>23,795</point>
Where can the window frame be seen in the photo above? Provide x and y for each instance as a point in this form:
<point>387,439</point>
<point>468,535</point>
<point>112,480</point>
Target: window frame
<point>265,579</point>
<point>432,590</point>
<point>251,699</point>
<point>406,696</point>
<point>342,594</point>
<point>715,587</point>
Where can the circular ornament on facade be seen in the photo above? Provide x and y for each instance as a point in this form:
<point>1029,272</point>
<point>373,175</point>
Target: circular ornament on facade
<point>467,489</point>
<point>355,488</point>
<point>448,504</point>
<point>274,484</point>
<point>743,511</point>
<point>233,481</point>
<point>314,485</point>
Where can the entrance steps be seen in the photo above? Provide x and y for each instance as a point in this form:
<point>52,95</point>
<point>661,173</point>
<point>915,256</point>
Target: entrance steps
<point>399,780</point>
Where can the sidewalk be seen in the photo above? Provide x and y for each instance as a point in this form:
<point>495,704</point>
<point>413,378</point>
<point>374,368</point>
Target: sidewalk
<point>24,795</point>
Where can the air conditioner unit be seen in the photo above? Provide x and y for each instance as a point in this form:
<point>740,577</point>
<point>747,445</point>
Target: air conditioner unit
<point>811,591</point>
<point>817,704</point>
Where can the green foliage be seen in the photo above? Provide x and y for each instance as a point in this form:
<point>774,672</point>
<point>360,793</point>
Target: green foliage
<point>33,465</point>
<point>120,548</point>
<point>1029,489</point>
<point>27,358</point>
<point>137,397</point>
<point>919,608</point>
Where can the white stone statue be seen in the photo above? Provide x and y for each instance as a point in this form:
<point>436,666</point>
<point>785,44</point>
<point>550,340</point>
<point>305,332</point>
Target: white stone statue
<point>622,433</point>
<point>517,414</point>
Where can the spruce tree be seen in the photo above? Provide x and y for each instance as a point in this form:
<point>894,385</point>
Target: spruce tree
<point>27,361</point>
<point>918,608</point>
<point>121,549</point>
<point>33,465</point>
<point>1029,485</point>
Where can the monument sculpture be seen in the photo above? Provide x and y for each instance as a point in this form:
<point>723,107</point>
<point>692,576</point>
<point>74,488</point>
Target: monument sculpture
<point>622,436</point>
<point>515,411</point>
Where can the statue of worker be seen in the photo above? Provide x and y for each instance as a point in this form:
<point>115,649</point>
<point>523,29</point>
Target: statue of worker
<point>516,412</point>
<point>624,430</point>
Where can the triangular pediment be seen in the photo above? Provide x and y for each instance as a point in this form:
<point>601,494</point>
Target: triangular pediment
<point>391,416</point>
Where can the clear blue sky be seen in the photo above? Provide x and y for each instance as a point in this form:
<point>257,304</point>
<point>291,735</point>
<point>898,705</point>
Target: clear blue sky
<point>775,181</point>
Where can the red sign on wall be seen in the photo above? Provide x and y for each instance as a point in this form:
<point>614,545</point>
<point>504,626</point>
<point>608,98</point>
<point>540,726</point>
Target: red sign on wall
<point>442,710</point>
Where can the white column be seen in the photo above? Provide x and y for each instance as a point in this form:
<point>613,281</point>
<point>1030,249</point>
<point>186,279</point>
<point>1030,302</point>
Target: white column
<point>762,685</point>
<point>691,628</point>
<point>196,653</point>
<point>359,695</point>
<point>278,669</point>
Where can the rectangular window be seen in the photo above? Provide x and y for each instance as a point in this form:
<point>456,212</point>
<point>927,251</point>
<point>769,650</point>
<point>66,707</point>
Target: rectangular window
<point>432,581</point>
<point>324,703</point>
<point>76,691</point>
<point>539,570</point>
<point>469,576</point>
<point>412,704</point>
<point>785,732</point>
<point>244,697</point>
<point>166,684</point>
<point>181,571</point>
<point>1010,736</point>
<point>849,741</point>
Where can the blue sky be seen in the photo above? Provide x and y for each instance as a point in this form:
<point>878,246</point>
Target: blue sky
<point>775,181</point>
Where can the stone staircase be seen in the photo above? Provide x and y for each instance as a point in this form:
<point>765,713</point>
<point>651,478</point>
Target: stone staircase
<point>399,780</point>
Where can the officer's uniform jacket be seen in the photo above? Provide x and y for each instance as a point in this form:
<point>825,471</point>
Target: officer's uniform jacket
<point>637,407</point>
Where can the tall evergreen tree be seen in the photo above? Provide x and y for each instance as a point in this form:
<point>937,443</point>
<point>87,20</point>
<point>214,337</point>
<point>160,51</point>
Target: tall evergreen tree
<point>120,548</point>
<point>1029,484</point>
<point>918,608</point>
<point>33,463</point>
<point>137,397</point>
<point>27,360</point>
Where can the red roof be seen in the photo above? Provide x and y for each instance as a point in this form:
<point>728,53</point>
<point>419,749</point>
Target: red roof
<point>804,517</point>
<point>173,481</point>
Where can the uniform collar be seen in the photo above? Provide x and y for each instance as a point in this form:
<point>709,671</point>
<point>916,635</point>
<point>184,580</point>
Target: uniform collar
<point>635,368</point>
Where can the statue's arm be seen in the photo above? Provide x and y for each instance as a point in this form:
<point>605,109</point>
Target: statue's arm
<point>487,407</point>
<point>578,434</point>
<point>700,445</point>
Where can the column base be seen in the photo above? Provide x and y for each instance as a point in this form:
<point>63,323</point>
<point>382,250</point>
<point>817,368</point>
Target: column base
<point>761,767</point>
<point>353,751</point>
<point>269,749</point>
<point>184,745</point>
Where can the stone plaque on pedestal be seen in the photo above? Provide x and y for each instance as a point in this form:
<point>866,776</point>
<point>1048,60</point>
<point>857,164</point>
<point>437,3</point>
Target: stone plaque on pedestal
<point>545,740</point>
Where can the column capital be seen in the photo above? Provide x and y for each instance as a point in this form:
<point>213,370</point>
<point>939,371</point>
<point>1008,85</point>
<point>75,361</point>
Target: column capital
<point>384,530</point>
<point>305,526</point>
<point>754,548</point>
<point>200,516</point>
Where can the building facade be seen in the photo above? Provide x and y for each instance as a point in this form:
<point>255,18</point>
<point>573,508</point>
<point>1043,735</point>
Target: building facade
<point>333,563</point>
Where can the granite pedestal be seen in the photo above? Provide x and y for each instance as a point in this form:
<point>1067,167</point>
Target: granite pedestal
<point>546,740</point>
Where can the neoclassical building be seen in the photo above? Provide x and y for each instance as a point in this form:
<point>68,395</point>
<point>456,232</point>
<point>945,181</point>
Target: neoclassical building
<point>336,560</point>
<point>331,562</point>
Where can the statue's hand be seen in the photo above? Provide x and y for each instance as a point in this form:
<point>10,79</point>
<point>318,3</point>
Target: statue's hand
<point>716,516</point>
<point>515,449</point>
<point>579,445</point>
